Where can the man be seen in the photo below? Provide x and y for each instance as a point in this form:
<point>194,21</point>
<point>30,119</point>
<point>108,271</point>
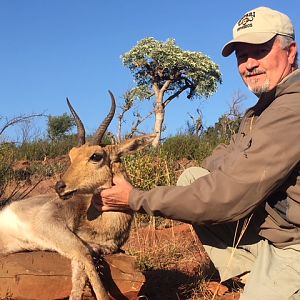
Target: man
<point>246,207</point>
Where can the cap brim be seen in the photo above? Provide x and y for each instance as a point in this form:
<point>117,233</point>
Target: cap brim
<point>249,38</point>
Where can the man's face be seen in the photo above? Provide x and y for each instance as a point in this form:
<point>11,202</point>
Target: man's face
<point>263,66</point>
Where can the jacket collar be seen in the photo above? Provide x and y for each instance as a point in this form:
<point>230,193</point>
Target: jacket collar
<point>291,83</point>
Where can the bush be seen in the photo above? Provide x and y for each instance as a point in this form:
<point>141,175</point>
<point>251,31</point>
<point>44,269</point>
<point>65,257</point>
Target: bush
<point>42,149</point>
<point>59,126</point>
<point>149,168</point>
<point>33,152</point>
<point>7,158</point>
<point>185,146</point>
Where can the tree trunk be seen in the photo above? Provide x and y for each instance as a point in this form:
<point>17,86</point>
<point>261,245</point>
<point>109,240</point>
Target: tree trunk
<point>159,119</point>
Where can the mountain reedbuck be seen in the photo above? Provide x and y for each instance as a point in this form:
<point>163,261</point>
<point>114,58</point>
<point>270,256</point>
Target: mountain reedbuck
<point>66,221</point>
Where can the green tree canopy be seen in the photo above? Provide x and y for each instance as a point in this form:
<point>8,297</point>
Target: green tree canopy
<point>59,126</point>
<point>166,69</point>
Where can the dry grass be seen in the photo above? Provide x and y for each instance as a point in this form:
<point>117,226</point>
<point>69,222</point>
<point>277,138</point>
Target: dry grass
<point>172,259</point>
<point>174,262</point>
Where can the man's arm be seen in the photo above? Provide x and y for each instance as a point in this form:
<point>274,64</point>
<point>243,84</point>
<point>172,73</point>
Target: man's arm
<point>240,183</point>
<point>250,172</point>
<point>213,161</point>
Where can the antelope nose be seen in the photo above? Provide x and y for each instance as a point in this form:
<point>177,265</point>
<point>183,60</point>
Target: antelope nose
<point>60,186</point>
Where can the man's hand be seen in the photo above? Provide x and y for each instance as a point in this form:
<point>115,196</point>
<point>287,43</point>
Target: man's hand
<point>116,198</point>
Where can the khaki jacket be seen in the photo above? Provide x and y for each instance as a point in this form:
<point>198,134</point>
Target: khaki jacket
<point>260,167</point>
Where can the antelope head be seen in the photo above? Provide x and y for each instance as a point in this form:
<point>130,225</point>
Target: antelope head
<point>94,164</point>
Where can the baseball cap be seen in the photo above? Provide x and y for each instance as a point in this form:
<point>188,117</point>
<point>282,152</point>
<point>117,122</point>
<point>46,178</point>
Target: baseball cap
<point>258,26</point>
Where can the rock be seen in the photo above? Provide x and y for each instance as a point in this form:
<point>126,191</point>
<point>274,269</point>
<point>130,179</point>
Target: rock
<point>122,277</point>
<point>45,275</point>
<point>35,275</point>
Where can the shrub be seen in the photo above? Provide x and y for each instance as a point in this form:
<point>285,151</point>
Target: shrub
<point>32,153</point>
<point>42,149</point>
<point>7,158</point>
<point>149,168</point>
<point>184,146</point>
<point>59,126</point>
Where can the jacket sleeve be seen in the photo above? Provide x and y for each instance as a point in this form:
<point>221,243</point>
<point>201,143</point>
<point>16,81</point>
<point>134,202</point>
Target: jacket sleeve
<point>217,157</point>
<point>252,170</point>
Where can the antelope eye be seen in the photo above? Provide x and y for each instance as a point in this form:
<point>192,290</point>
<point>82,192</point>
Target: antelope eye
<point>96,157</point>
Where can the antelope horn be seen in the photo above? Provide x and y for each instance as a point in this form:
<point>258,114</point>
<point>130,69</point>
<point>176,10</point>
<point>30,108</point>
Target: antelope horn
<point>79,125</point>
<point>103,127</point>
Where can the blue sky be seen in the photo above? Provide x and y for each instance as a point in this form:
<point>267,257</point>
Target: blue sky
<point>50,50</point>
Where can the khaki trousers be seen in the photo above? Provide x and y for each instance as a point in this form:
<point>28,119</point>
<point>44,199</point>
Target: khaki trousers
<point>236,248</point>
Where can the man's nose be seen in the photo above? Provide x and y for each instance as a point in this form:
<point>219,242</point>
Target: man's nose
<point>251,63</point>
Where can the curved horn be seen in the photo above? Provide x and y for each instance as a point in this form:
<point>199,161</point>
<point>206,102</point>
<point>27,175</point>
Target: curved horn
<point>102,128</point>
<point>79,125</point>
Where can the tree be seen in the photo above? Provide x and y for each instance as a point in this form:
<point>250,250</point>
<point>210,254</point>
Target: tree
<point>130,97</point>
<point>195,124</point>
<point>59,126</point>
<point>162,69</point>
<point>6,123</point>
<point>228,124</point>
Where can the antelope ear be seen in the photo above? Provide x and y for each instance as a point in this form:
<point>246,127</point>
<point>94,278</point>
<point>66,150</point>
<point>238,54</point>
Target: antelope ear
<point>133,144</point>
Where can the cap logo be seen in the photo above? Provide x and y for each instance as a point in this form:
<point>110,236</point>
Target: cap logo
<point>246,21</point>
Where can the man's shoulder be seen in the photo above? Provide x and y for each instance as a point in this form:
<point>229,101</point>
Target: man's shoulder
<point>289,88</point>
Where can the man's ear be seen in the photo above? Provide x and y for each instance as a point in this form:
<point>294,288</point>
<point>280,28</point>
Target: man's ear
<point>292,54</point>
<point>132,145</point>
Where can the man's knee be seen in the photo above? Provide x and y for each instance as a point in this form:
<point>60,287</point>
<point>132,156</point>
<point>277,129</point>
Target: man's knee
<point>189,175</point>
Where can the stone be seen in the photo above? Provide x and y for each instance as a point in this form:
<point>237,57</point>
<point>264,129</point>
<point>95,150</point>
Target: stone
<point>43,275</point>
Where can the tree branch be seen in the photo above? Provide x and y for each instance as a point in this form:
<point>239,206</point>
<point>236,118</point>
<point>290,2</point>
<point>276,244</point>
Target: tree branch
<point>18,119</point>
<point>168,100</point>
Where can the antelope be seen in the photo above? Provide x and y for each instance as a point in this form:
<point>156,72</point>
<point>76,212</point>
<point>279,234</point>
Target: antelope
<point>67,221</point>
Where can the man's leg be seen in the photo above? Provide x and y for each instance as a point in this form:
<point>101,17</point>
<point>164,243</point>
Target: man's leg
<point>275,274</point>
<point>231,255</point>
<point>230,246</point>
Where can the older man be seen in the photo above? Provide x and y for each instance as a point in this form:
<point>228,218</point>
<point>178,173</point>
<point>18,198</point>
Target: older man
<point>245,201</point>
